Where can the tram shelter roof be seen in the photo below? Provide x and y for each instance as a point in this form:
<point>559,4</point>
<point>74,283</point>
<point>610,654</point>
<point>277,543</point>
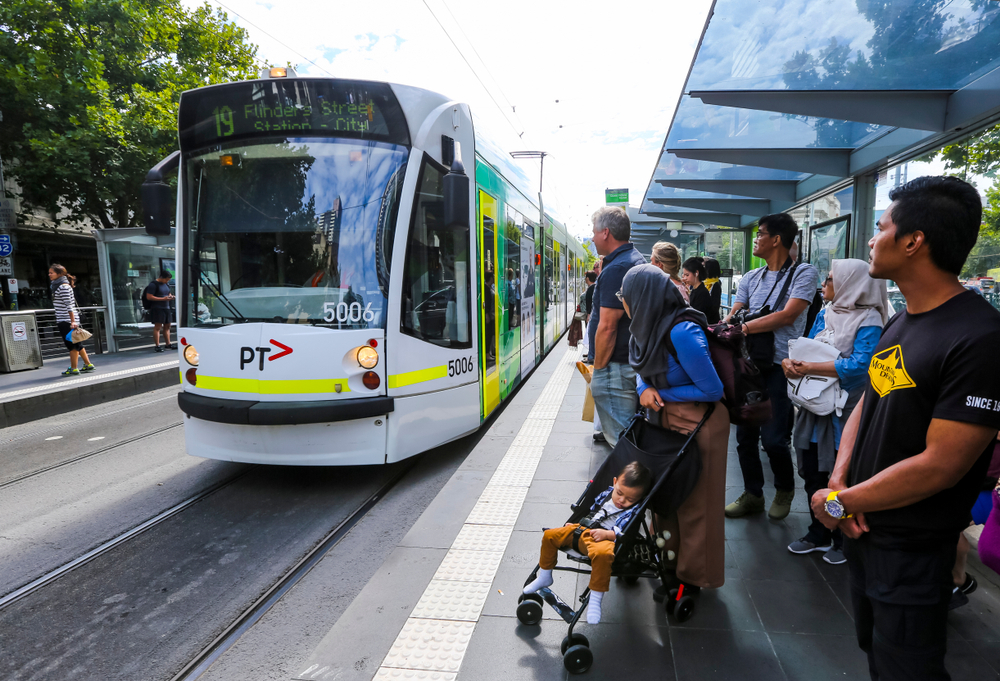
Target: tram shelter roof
<point>788,99</point>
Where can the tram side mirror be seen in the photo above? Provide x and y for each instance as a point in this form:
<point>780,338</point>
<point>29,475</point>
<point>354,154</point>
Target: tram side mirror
<point>159,208</point>
<point>456,197</point>
<point>159,202</point>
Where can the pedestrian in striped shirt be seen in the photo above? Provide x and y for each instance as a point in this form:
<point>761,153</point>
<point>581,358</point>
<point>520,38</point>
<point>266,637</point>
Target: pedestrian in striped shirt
<point>67,316</point>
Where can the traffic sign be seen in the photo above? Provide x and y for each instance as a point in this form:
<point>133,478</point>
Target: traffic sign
<point>5,249</point>
<point>6,267</point>
<point>8,218</point>
<point>4,238</point>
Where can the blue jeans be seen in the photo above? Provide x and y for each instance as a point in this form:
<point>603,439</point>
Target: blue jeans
<point>615,399</point>
<point>774,435</point>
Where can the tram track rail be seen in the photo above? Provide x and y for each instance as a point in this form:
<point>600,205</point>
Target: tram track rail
<point>200,664</point>
<point>87,455</point>
<point>51,576</point>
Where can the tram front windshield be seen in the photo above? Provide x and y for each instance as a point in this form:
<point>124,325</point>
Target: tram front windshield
<point>292,231</point>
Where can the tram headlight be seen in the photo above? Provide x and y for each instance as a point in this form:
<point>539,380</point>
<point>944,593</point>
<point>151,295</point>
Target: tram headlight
<point>191,355</point>
<point>367,357</point>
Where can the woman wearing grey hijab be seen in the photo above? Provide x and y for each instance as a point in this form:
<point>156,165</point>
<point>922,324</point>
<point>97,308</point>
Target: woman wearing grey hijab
<point>677,381</point>
<point>856,310</point>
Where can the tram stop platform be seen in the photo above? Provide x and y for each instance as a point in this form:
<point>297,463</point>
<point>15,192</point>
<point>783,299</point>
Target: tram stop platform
<point>39,393</point>
<point>442,606</point>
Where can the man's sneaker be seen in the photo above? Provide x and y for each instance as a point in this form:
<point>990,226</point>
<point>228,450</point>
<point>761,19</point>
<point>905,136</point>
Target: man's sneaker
<point>157,348</point>
<point>970,584</point>
<point>171,346</point>
<point>71,372</point>
<point>745,505</point>
<point>808,545</point>
<point>599,437</point>
<point>835,557</point>
<point>958,599</point>
<point>87,367</point>
<point>781,505</point>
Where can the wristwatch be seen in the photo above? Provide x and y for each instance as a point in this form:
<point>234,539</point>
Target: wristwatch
<point>834,508</point>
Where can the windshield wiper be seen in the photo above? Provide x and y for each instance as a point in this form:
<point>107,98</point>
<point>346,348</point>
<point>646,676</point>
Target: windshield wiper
<point>237,316</point>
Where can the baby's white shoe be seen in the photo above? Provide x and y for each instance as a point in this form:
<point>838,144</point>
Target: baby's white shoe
<point>543,580</point>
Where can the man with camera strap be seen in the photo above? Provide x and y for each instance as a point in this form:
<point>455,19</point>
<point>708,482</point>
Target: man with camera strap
<point>771,304</point>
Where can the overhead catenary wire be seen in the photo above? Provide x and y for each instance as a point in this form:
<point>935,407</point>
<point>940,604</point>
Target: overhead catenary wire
<point>292,49</point>
<point>500,108</point>
<point>483,62</point>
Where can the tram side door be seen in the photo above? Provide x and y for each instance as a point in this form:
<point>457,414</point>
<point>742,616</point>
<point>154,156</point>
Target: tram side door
<point>488,327</point>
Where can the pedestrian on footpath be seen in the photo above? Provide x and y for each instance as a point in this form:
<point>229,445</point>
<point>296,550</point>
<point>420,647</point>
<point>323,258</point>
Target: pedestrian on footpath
<point>588,351</point>
<point>159,296</point>
<point>667,257</point>
<point>914,453</point>
<point>857,309</point>
<point>67,317</point>
<point>613,382</point>
<point>776,298</point>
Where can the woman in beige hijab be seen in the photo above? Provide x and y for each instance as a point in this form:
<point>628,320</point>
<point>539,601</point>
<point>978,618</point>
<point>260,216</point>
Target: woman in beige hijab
<point>857,309</point>
<point>666,256</point>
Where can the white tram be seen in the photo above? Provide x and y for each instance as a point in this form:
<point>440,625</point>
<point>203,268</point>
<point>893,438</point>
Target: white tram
<point>348,292</point>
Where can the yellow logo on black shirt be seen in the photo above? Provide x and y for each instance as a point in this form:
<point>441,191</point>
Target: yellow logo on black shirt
<point>887,372</point>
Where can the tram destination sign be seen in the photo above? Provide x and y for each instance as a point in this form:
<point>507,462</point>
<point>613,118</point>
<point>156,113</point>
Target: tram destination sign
<point>296,107</point>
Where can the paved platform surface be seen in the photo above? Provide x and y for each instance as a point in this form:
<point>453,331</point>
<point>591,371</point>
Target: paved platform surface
<point>39,393</point>
<point>443,605</point>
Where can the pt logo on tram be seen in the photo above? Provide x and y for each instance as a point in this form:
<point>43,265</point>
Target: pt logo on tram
<point>247,354</point>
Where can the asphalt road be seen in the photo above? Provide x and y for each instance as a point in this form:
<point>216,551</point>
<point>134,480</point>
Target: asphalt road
<point>145,608</point>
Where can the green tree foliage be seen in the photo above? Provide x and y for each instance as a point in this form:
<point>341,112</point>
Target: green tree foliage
<point>89,92</point>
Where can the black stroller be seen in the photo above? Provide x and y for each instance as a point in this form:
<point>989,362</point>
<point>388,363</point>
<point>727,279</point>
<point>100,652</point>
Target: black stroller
<point>675,463</point>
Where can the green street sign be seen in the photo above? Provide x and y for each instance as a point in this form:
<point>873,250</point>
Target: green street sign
<point>613,196</point>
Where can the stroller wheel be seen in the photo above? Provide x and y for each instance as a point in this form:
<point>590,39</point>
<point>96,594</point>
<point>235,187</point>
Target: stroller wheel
<point>684,609</point>
<point>529,612</point>
<point>671,600</point>
<point>578,659</point>
<point>530,597</point>
<point>574,640</point>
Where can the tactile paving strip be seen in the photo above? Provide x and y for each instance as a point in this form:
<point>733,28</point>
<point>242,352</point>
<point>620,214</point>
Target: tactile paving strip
<point>384,674</point>
<point>469,566</point>
<point>450,600</point>
<point>482,538</point>
<point>433,645</point>
<point>498,506</point>
<point>433,641</point>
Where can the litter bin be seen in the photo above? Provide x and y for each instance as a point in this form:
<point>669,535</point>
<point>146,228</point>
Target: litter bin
<point>20,348</point>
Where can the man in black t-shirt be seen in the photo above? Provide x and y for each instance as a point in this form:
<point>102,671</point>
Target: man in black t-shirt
<point>158,297</point>
<point>915,450</point>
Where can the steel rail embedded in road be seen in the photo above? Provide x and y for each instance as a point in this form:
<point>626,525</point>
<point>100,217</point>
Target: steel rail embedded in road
<point>81,457</point>
<point>200,664</point>
<point>49,577</point>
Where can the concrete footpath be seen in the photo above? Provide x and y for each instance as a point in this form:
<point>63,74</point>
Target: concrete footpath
<point>442,606</point>
<point>39,393</point>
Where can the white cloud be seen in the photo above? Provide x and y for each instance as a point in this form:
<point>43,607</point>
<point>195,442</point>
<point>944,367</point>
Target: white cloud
<point>615,69</point>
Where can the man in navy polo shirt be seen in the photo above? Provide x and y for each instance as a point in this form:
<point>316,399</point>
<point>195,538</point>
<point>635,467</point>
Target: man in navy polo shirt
<point>613,382</point>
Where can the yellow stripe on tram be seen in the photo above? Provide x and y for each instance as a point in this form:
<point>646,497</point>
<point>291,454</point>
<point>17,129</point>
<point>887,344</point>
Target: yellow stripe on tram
<point>291,387</point>
<point>412,377</point>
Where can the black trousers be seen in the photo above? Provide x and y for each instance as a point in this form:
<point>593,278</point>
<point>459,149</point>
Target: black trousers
<point>900,601</point>
<point>814,480</point>
<point>773,435</point>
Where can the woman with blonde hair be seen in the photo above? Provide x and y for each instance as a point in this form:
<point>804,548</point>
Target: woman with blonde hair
<point>667,257</point>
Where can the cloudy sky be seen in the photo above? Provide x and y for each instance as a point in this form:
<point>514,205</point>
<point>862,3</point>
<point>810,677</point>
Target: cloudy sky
<point>594,84</point>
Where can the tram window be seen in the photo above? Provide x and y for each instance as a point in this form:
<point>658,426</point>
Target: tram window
<point>512,270</point>
<point>435,306</point>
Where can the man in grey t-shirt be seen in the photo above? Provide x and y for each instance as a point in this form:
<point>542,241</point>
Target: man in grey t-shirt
<point>760,287</point>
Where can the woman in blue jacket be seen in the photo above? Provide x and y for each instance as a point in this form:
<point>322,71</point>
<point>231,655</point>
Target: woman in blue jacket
<point>675,377</point>
<point>852,321</point>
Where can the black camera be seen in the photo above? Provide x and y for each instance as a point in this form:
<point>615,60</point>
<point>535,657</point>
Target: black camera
<point>743,315</point>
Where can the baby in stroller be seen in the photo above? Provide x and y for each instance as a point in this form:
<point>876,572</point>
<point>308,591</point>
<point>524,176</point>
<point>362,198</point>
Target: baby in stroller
<point>595,534</point>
